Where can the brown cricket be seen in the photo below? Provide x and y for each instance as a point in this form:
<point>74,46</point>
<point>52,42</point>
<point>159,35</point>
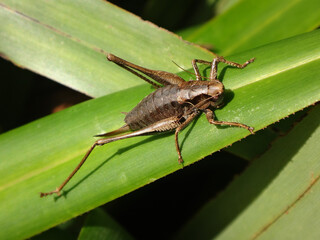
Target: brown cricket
<point>170,107</point>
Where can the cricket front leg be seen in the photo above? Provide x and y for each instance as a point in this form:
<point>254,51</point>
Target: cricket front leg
<point>215,62</point>
<point>210,118</point>
<point>196,69</point>
<point>214,66</point>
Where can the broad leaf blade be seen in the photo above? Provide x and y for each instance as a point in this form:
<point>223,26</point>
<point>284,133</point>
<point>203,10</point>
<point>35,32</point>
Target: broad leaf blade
<point>39,156</point>
<point>276,197</point>
<point>67,42</point>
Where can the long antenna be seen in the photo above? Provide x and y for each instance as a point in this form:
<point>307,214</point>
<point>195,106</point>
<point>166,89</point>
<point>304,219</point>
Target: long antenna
<point>187,70</point>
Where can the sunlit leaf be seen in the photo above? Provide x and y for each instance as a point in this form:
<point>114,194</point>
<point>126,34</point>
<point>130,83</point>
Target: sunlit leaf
<point>38,156</point>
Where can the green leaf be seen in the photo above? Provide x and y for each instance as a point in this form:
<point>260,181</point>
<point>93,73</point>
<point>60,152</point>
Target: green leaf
<point>67,42</point>
<point>251,23</point>
<point>277,197</point>
<point>99,225</point>
<point>39,156</point>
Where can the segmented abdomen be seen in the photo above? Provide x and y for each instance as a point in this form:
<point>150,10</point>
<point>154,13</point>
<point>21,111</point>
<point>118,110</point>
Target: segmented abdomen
<point>159,105</point>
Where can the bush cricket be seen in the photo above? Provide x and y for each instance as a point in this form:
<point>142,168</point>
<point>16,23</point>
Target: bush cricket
<point>172,106</point>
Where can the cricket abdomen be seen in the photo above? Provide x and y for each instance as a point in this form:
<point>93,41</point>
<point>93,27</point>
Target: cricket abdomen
<point>159,105</point>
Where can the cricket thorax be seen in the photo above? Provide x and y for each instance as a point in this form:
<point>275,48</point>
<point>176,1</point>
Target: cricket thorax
<point>196,91</point>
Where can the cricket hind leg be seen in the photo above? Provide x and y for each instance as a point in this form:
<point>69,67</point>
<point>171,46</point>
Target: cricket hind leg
<point>210,117</point>
<point>58,189</point>
<point>137,74</point>
<point>162,77</point>
<point>99,142</point>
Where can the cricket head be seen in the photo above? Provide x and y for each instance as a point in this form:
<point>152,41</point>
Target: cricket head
<point>215,90</point>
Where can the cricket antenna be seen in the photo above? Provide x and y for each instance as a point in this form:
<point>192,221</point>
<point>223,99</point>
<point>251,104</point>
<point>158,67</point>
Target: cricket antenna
<point>191,73</point>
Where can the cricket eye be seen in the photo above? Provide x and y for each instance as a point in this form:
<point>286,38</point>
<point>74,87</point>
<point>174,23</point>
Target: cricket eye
<point>218,95</point>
